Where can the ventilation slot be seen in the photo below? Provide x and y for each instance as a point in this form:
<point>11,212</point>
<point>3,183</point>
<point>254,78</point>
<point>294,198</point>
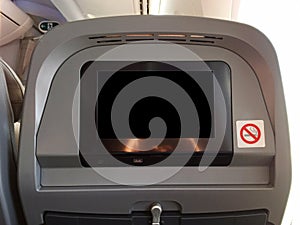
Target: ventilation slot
<point>139,37</point>
<point>108,41</point>
<point>202,41</point>
<point>204,38</point>
<point>171,37</point>
<point>106,36</point>
<point>213,37</point>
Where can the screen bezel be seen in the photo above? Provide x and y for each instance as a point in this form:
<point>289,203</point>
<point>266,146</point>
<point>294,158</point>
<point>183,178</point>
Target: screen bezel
<point>222,73</point>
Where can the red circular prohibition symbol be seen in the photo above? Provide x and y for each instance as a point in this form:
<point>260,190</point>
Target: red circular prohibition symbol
<point>246,128</point>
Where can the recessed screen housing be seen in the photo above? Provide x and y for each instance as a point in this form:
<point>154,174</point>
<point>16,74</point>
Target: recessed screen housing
<point>199,83</point>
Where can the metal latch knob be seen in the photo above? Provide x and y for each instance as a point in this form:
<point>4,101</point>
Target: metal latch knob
<point>156,211</point>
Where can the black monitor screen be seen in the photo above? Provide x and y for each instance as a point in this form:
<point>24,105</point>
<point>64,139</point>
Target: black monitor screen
<point>126,97</point>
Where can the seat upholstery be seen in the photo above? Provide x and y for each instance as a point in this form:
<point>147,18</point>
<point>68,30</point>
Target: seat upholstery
<point>10,208</point>
<point>16,97</point>
<point>15,89</point>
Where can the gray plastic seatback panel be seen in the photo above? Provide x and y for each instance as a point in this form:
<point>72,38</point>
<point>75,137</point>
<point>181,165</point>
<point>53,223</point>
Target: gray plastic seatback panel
<point>10,213</point>
<point>62,157</point>
<point>173,218</point>
<point>256,179</point>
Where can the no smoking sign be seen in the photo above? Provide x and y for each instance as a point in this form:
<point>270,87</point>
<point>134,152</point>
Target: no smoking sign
<point>250,133</point>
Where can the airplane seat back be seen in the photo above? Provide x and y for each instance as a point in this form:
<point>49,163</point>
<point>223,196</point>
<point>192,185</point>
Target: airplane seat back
<point>16,97</point>
<point>75,169</point>
<point>15,90</point>
<point>10,205</point>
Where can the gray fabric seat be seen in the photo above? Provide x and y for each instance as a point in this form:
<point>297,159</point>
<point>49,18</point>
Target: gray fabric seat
<point>15,89</point>
<point>10,208</point>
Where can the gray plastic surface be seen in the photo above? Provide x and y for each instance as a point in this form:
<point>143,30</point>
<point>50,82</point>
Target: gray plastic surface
<point>171,218</point>
<point>56,158</point>
<point>10,213</point>
<point>49,170</point>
